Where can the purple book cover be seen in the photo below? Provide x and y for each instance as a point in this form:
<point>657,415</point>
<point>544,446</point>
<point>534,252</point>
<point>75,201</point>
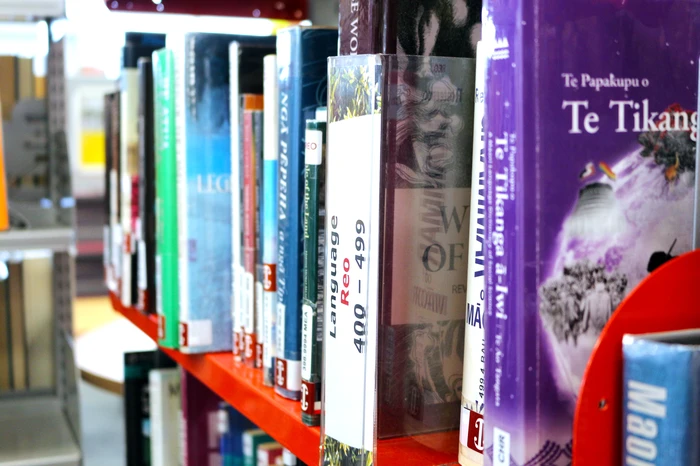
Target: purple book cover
<point>200,407</point>
<point>590,173</point>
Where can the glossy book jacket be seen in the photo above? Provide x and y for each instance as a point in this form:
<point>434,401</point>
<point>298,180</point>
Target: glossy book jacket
<point>591,129</point>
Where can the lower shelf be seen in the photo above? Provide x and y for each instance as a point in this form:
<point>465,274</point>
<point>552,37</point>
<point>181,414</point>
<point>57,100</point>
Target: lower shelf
<point>242,387</point>
<point>34,432</point>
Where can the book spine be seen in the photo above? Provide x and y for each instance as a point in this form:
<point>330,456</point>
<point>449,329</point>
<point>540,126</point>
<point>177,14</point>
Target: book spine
<point>144,67</point>
<point>206,326</point>
<point>505,350</point>
<point>249,238</point>
<point>106,234</point>
<point>659,389</point>
<point>302,55</point>
<point>360,28</point>
<point>259,234</point>
<point>352,260</point>
<point>178,46</point>
<point>471,440</point>
<point>128,156</point>
<point>270,206</point>
<point>287,362</point>
<point>314,258</point>
<point>236,202</point>
<point>115,196</point>
<point>166,265</point>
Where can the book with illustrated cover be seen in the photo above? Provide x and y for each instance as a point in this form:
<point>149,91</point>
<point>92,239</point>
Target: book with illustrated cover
<point>397,227</point>
<point>661,386</point>
<point>591,130</point>
<point>164,409</point>
<point>166,263</point>
<point>203,146</point>
<point>246,56</point>
<point>269,216</point>
<point>314,262</point>
<point>447,28</point>
<point>146,227</point>
<point>302,54</point>
<point>252,105</point>
<point>199,419</point>
<point>472,428</point>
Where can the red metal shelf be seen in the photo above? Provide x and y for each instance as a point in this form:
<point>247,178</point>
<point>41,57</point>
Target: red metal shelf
<point>242,387</point>
<point>666,300</point>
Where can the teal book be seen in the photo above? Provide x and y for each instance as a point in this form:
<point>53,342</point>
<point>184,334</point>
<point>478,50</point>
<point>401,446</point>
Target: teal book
<point>167,287</point>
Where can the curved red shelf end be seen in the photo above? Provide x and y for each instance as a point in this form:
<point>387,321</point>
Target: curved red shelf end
<point>669,299</point>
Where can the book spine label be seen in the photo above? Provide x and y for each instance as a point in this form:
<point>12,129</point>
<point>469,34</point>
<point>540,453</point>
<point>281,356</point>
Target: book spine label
<point>504,359</point>
<point>236,201</point>
<point>314,245</point>
<point>167,286</point>
<point>352,261</point>
<point>471,449</point>
<point>269,242</point>
<point>248,314</point>
<point>302,55</point>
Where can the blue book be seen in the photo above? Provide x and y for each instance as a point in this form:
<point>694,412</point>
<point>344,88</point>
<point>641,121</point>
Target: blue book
<point>203,149</point>
<point>661,390</point>
<point>232,424</point>
<point>302,54</point>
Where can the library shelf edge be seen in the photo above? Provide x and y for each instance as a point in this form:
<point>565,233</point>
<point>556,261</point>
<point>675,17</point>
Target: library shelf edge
<point>242,387</point>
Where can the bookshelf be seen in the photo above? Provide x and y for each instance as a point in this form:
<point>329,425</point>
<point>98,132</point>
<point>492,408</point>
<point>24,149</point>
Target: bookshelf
<point>242,387</point>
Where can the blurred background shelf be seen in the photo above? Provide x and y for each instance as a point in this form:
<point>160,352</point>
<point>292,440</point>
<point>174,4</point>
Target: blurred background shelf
<point>35,432</point>
<point>52,239</point>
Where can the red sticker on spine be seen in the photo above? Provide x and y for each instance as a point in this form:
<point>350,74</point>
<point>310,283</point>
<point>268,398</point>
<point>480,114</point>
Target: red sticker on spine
<point>475,441</point>
<point>308,398</point>
<point>184,337</point>
<point>270,277</point>
<point>281,373</point>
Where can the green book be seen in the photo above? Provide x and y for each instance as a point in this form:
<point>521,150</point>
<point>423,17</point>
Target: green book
<point>252,439</point>
<point>167,292</point>
<point>312,297</point>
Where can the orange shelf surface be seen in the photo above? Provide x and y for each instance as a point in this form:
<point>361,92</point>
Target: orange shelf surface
<point>242,387</point>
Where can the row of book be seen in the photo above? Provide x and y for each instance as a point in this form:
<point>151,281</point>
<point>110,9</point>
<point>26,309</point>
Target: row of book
<point>483,218</point>
<point>173,418</point>
<point>27,324</point>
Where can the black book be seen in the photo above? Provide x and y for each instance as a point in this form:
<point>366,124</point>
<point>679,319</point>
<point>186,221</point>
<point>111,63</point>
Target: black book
<point>147,193</point>
<point>136,403</point>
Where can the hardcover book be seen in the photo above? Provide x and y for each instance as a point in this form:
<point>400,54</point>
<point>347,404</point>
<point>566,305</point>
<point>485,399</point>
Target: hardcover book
<point>661,387</point>
<point>590,161</point>
<point>252,439</point>
<point>314,262</point>
<point>269,454</point>
<point>107,229</point>
<point>472,428</point>
<point>302,54</point>
<point>449,28</point>
<point>137,403</point>
<point>115,201</point>
<point>246,55</point>
<point>397,222</point>
<point>164,406</point>
<point>203,145</point>
<point>199,418</point>
<point>269,216</point>
<point>166,272</point>
<point>252,105</point>
<point>258,135</point>
<point>232,424</point>
<point>146,227</point>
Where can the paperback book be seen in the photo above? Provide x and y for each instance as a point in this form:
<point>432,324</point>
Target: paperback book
<point>591,130</point>
<point>472,428</point>
<point>314,263</point>
<point>166,264</point>
<point>661,388</point>
<point>203,145</point>
<point>269,216</point>
<point>397,222</point>
<point>302,54</point>
<point>246,55</point>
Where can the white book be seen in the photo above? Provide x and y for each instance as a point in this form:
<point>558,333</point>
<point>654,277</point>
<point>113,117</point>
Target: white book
<point>164,390</point>
<point>471,439</point>
<point>237,273</point>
